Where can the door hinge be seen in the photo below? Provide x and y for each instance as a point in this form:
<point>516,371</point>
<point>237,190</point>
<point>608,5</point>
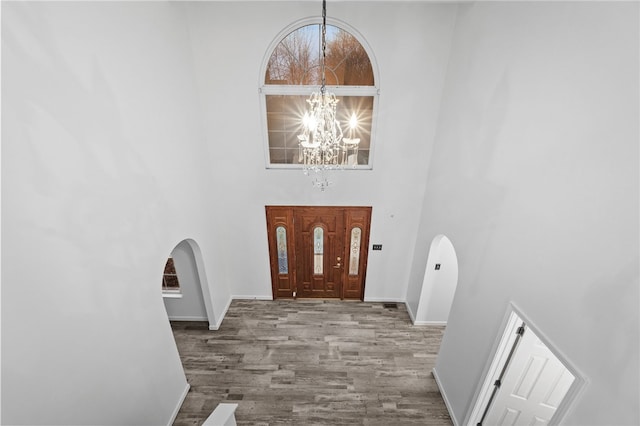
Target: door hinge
<point>497,383</point>
<point>520,330</point>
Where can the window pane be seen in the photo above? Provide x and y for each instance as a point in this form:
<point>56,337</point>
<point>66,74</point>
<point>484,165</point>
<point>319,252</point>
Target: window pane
<point>296,59</point>
<point>169,276</point>
<point>318,249</point>
<point>281,238</point>
<point>171,281</point>
<point>347,62</point>
<point>354,252</point>
<point>284,118</point>
<point>169,267</point>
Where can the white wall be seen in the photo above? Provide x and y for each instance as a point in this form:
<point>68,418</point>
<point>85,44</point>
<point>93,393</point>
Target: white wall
<point>104,171</point>
<point>534,178</point>
<point>190,306</point>
<point>411,45</point>
<point>126,129</point>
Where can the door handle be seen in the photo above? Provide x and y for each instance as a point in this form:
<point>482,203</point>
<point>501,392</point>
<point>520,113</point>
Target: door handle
<point>337,266</point>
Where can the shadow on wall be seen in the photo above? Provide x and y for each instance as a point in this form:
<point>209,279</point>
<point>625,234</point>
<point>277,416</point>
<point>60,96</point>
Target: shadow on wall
<point>192,302</point>
<point>439,285</point>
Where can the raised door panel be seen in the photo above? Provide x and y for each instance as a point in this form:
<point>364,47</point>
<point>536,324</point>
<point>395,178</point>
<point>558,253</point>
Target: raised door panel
<point>357,220</point>
<point>533,387</point>
<point>319,245</point>
<point>281,251</point>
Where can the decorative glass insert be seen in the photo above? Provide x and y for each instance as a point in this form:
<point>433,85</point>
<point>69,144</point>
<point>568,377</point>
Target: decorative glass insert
<point>354,252</point>
<point>281,240</point>
<point>318,249</point>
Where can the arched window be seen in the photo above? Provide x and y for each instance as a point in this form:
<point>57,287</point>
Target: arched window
<point>170,283</point>
<point>292,71</point>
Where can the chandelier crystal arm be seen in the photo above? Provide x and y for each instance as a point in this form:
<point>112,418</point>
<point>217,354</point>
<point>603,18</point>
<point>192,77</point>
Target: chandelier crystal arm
<point>321,143</point>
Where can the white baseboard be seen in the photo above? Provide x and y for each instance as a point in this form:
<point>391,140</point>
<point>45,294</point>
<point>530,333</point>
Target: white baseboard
<point>383,300</point>
<point>224,414</point>
<point>421,322</point>
<point>245,297</point>
<point>262,297</point>
<point>410,312</point>
<point>221,316</point>
<point>180,402</point>
<point>226,308</point>
<point>444,397</point>
<point>187,318</point>
<point>429,323</point>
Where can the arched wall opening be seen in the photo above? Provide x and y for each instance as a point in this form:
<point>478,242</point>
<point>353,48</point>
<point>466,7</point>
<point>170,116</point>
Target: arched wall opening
<point>439,284</point>
<point>193,301</point>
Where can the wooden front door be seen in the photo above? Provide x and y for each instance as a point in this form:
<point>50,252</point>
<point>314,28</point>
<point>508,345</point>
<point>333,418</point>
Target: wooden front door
<point>318,252</point>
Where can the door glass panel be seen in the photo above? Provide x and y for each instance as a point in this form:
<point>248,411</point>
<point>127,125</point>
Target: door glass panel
<point>354,252</point>
<point>281,239</point>
<point>318,249</point>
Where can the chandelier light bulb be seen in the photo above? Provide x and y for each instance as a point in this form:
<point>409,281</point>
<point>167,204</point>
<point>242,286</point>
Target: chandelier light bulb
<point>312,123</point>
<point>353,121</point>
<point>322,145</point>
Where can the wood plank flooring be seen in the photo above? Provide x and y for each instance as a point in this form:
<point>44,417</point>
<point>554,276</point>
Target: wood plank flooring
<point>312,362</point>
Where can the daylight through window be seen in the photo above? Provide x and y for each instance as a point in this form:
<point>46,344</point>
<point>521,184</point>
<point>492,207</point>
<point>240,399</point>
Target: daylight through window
<point>293,71</point>
<point>170,278</point>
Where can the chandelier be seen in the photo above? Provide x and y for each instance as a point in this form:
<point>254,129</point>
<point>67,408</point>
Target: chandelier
<point>322,144</point>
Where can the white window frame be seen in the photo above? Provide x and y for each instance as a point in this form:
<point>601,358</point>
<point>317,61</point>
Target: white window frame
<point>288,90</point>
<point>171,292</point>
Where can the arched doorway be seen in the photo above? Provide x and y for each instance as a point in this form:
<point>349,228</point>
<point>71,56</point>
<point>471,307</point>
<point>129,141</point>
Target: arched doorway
<point>191,299</point>
<point>439,284</point>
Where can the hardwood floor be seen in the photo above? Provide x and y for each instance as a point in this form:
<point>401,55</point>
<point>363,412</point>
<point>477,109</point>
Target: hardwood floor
<point>312,362</point>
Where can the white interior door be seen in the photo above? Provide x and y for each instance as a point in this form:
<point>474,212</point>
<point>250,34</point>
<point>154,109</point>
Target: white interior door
<point>533,387</point>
